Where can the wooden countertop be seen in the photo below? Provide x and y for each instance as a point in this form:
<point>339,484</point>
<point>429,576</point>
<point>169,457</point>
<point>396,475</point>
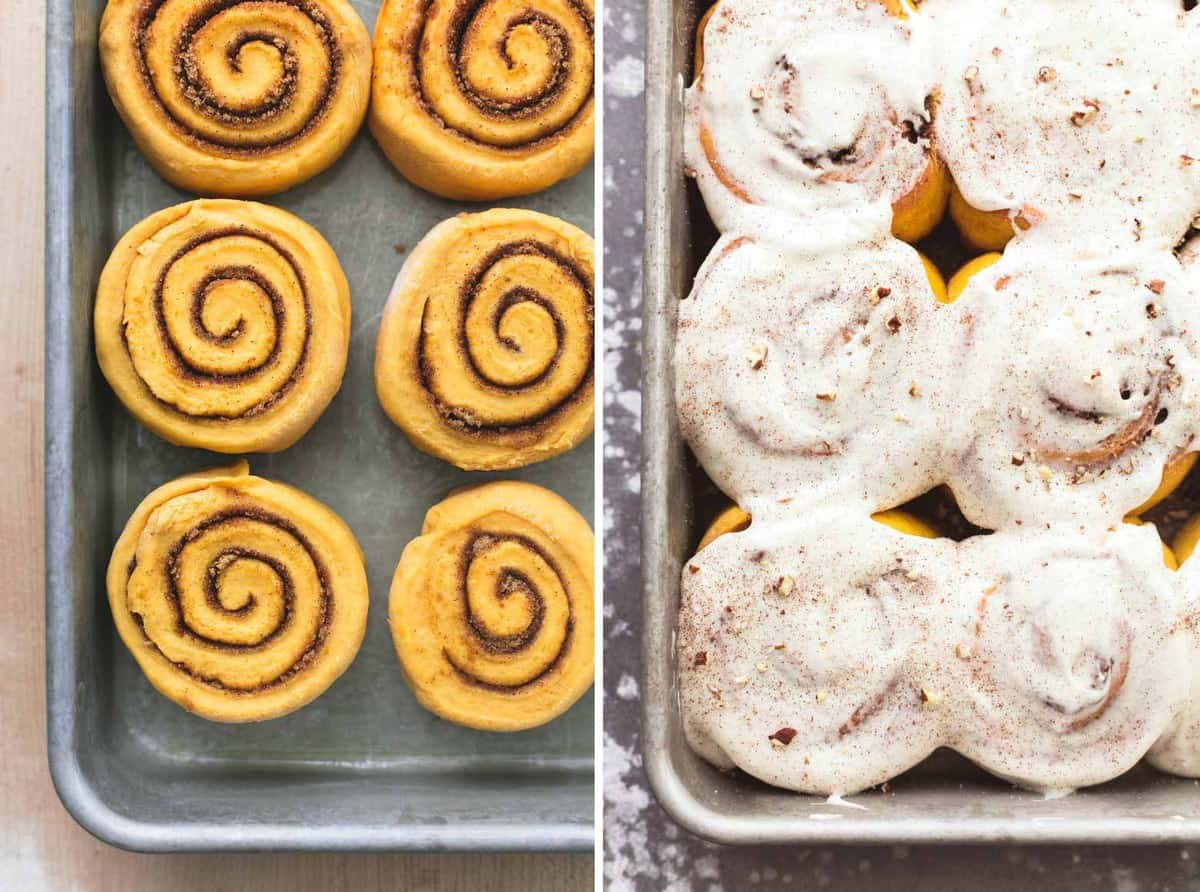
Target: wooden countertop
<point>41,847</point>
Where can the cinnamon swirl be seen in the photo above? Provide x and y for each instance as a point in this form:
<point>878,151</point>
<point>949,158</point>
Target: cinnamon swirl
<point>1087,380</point>
<point>479,101</point>
<point>794,374</point>
<point>801,679</point>
<point>492,607</point>
<point>223,325</point>
<point>238,98</point>
<point>484,356</point>
<point>799,108</point>
<point>241,599</point>
<point>1073,663</point>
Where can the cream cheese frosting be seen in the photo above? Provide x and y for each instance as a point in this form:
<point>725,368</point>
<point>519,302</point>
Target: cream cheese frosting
<point>815,369</point>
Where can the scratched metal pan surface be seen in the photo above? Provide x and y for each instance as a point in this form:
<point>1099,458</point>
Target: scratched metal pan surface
<point>364,766</point>
<point>945,800</point>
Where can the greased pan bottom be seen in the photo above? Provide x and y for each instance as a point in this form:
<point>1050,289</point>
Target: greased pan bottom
<point>364,766</point>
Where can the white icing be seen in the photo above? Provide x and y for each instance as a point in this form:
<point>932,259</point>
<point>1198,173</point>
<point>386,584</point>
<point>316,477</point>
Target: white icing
<point>796,379</point>
<point>805,115</point>
<point>1084,387</point>
<point>1089,120</point>
<point>883,647</point>
<point>1050,396</point>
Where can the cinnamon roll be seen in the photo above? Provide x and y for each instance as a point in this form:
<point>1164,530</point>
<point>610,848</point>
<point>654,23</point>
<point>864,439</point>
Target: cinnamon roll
<point>1068,653</point>
<point>241,599</point>
<point>794,374</point>
<point>479,101</point>
<point>806,680</point>
<point>223,325</point>
<point>1043,124</point>
<point>485,350</point>
<point>802,107</point>
<point>1086,383</point>
<point>1177,751</point>
<point>237,98</point>
<point>492,607</point>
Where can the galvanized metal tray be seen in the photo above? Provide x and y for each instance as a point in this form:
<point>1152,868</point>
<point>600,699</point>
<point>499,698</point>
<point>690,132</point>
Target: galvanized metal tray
<point>364,766</point>
<point>945,800</point>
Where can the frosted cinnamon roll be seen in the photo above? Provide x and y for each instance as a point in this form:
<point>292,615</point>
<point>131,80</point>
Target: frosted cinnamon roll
<point>241,599</point>
<point>239,98</point>
<point>486,100</point>
<point>803,107</point>
<point>806,680</point>
<point>1177,751</point>
<point>1039,123</point>
<point>223,325</point>
<point>492,607</point>
<point>1069,652</point>
<point>1090,375</point>
<point>485,350</point>
<point>795,374</point>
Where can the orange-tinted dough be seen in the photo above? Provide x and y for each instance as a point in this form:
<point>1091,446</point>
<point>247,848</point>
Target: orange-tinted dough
<point>491,607</point>
<point>485,351</point>
<point>241,599</point>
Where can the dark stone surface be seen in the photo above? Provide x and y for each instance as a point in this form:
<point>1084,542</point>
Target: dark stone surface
<point>644,849</point>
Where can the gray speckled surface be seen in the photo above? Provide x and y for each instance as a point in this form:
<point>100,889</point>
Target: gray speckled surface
<point>644,849</point>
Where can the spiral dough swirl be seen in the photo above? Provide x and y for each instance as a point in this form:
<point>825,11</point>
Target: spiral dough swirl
<point>491,608</point>
<point>482,99</point>
<point>240,598</point>
<point>234,97</point>
<point>224,325</point>
<point>485,351</point>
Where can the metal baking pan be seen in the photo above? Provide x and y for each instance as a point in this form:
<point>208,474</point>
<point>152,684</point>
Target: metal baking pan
<point>364,766</point>
<point>945,800</point>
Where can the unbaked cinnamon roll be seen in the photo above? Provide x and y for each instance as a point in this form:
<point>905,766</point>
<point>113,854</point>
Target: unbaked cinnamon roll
<point>1069,655</point>
<point>795,375</point>
<point>806,680</point>
<point>492,607</point>
<point>241,599</point>
<point>223,325</point>
<point>1087,377</point>
<point>239,98</point>
<point>803,106</point>
<point>485,351</point>
<point>487,100</point>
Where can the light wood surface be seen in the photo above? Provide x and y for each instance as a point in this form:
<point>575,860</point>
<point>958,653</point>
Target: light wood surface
<point>41,848</point>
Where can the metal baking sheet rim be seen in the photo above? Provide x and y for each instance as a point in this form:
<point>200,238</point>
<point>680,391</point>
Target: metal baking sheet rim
<point>79,798</point>
<point>666,535</point>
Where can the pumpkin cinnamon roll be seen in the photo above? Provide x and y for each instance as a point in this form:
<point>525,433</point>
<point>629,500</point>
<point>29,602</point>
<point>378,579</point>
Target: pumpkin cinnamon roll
<point>784,118</point>
<point>1086,383</point>
<point>492,607</point>
<point>223,325</point>
<point>1069,655</point>
<point>806,680</point>
<point>485,351</point>
<point>795,374</point>
<point>241,599</point>
<point>1040,125</point>
<point>238,98</point>
<point>486,100</point>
